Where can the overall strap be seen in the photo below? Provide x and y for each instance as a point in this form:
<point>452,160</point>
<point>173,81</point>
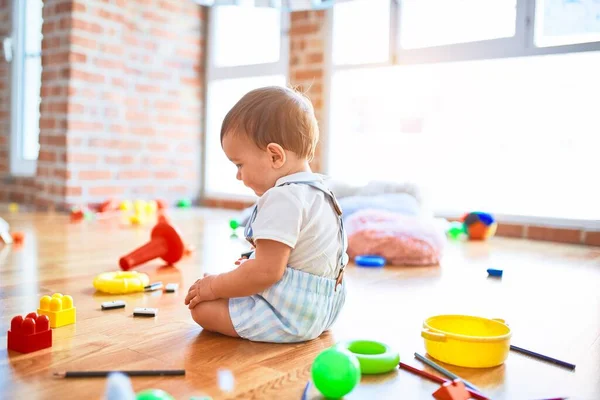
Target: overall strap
<point>342,257</point>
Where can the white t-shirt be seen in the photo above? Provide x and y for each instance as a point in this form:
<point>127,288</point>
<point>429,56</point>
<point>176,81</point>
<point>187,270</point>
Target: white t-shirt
<point>303,218</point>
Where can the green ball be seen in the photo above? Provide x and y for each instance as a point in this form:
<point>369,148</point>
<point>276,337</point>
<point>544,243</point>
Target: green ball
<point>153,394</point>
<point>184,203</point>
<point>234,224</point>
<point>335,372</point>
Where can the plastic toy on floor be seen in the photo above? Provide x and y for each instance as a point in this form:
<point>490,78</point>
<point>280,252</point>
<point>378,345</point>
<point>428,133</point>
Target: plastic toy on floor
<point>121,282</point>
<point>165,242</point>
<point>30,334</point>
<point>454,390</point>
<point>59,309</point>
<point>479,225</point>
<point>335,372</point>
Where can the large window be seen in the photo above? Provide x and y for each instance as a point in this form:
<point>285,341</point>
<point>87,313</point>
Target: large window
<point>247,50</point>
<point>515,133</point>
<point>26,73</point>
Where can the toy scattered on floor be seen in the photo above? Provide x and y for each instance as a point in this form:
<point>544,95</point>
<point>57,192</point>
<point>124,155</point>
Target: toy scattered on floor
<point>479,225</point>
<point>13,207</point>
<point>456,229</point>
<point>136,219</point>
<point>225,380</point>
<point>234,224</point>
<point>437,379</point>
<point>467,341</point>
<point>453,390</point>
<point>108,205</point>
<point>165,242</point>
<point>111,305</point>
<point>543,357</point>
<point>139,206</point>
<point>152,287</point>
<point>445,372</point>
<point>118,387</point>
<point>495,272</point>
<point>126,205</point>
<point>373,357</point>
<point>153,394</point>
<point>59,309</point>
<point>171,287</point>
<point>400,239</point>
<point>145,312</point>
<point>161,204</point>
<point>369,261</point>
<point>80,213</point>
<point>335,372</point>
<point>30,334</point>
<point>184,203</point>
<point>18,237</point>
<point>99,374</point>
<point>121,282</point>
<point>151,207</point>
<point>5,232</point>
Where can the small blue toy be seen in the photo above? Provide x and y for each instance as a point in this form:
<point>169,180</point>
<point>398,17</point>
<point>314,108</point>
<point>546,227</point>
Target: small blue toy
<point>369,261</point>
<point>495,272</point>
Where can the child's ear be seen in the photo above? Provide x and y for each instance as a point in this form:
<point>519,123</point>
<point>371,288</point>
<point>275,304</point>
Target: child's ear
<point>276,154</point>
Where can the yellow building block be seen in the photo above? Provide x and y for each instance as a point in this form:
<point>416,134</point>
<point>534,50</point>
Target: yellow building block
<point>59,309</point>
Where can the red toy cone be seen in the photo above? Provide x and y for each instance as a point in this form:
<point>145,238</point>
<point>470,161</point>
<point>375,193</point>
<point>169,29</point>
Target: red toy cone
<point>165,242</point>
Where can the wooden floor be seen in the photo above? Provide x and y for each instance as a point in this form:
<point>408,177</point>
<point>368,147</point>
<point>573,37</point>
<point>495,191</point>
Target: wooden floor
<point>550,296</point>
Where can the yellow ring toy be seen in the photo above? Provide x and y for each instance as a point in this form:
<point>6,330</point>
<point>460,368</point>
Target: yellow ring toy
<point>121,282</point>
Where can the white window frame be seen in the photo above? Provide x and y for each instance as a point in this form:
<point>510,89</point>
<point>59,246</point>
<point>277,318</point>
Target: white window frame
<point>214,73</point>
<point>521,45</point>
<point>19,166</point>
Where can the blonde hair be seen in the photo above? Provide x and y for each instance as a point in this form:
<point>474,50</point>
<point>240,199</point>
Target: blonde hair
<point>275,114</point>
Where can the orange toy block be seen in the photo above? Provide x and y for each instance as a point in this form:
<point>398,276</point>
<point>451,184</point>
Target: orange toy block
<point>30,334</point>
<point>18,237</point>
<point>455,390</point>
<point>59,309</point>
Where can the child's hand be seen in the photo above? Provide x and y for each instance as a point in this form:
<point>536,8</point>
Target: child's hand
<point>241,260</point>
<point>200,291</point>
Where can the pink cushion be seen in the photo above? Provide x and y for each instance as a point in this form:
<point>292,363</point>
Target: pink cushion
<point>400,239</point>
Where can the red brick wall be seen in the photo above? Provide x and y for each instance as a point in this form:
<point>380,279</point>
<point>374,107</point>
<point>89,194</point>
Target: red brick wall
<point>122,101</point>
<point>307,67</point>
<point>135,100</point>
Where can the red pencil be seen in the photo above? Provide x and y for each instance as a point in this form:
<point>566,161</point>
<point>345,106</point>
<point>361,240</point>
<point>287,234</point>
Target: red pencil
<point>437,379</point>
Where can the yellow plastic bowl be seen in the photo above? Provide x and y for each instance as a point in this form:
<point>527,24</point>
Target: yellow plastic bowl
<point>467,341</point>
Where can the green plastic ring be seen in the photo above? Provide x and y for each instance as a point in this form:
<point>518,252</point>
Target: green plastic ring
<point>373,357</point>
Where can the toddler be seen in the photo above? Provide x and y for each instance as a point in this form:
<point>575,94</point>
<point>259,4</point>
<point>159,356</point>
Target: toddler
<point>291,288</point>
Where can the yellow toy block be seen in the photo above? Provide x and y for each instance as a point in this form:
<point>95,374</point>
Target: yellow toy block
<point>59,309</point>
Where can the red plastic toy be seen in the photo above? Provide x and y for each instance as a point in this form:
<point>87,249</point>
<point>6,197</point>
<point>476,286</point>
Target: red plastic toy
<point>165,242</point>
<point>455,390</point>
<point>30,334</point>
<point>108,205</point>
<point>161,204</point>
<point>18,237</point>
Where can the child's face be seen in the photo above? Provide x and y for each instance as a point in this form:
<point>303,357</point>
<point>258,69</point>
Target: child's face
<point>254,166</point>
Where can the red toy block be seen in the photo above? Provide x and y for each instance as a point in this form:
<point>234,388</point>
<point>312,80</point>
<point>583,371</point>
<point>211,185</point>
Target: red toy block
<point>165,242</point>
<point>455,390</point>
<point>30,334</point>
